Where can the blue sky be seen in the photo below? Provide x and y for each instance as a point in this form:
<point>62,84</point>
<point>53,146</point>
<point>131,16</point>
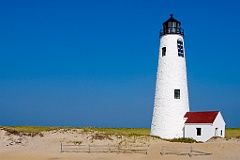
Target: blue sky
<point>93,63</point>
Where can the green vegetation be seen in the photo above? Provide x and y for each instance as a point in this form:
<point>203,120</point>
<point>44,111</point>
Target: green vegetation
<point>30,129</point>
<point>182,140</point>
<point>121,131</point>
<point>232,133</point>
<point>107,131</point>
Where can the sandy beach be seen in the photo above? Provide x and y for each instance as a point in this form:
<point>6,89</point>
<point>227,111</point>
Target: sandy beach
<point>47,146</point>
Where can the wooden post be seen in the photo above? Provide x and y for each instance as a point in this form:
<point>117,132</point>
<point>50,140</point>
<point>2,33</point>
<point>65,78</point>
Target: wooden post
<point>61,148</point>
<point>89,148</point>
<point>118,148</point>
<point>162,153</point>
<point>147,150</point>
<point>190,154</point>
<point>109,149</point>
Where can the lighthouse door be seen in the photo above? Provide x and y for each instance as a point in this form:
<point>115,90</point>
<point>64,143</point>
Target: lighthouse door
<point>216,131</point>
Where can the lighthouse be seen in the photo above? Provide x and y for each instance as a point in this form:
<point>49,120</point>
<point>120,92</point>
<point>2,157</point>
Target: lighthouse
<point>171,93</point>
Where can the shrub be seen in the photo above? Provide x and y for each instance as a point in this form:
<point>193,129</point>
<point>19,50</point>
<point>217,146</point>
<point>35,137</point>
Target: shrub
<point>183,140</point>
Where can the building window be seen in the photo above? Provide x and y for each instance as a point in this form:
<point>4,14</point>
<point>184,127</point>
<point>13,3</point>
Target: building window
<point>176,93</point>
<point>180,48</point>
<point>164,51</point>
<point>199,132</point>
<point>221,132</point>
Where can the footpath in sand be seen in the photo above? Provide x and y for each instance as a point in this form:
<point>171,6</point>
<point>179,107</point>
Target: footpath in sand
<point>47,146</point>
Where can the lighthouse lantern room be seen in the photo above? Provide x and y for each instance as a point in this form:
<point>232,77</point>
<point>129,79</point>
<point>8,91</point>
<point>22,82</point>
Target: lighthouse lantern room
<point>172,26</point>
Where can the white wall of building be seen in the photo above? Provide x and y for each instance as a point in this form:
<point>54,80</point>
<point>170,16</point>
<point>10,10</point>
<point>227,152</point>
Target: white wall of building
<point>168,113</point>
<point>207,130</point>
<point>220,124</point>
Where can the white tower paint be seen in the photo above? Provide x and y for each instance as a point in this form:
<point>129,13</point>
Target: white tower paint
<point>169,108</point>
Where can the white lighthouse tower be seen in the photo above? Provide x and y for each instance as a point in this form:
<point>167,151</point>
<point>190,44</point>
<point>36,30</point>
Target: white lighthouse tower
<point>171,95</point>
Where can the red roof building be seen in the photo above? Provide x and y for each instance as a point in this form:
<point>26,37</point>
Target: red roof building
<point>201,117</point>
<point>201,126</point>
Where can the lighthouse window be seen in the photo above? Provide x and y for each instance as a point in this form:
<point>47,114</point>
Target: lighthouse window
<point>176,93</point>
<point>163,51</point>
<point>180,48</point>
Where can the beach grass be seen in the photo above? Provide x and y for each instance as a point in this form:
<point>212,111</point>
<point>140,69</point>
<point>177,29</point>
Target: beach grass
<point>31,129</point>
<point>124,131</point>
<point>232,132</point>
<point>107,131</point>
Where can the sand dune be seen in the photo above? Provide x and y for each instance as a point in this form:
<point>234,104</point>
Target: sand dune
<point>47,146</point>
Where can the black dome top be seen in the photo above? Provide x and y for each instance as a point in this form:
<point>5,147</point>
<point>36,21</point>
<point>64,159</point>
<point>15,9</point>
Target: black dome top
<point>171,19</point>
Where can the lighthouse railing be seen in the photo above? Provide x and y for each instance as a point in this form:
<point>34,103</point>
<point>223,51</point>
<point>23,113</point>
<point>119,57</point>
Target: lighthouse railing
<point>172,30</point>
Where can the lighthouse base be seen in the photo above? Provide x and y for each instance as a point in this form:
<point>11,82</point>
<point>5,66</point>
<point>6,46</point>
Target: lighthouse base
<point>168,125</point>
